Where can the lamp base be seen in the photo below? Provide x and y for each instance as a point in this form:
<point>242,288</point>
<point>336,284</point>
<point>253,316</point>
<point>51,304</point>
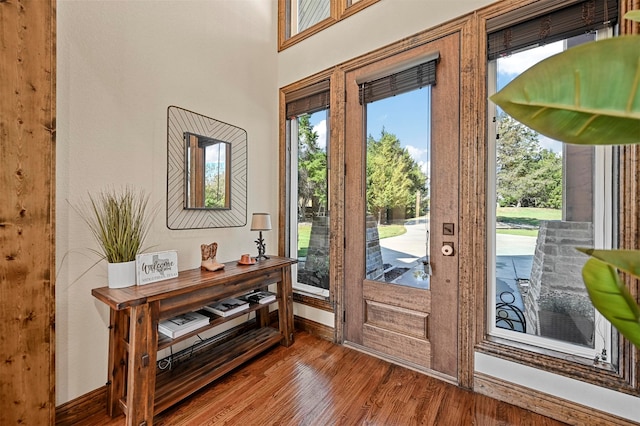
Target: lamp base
<point>261,248</point>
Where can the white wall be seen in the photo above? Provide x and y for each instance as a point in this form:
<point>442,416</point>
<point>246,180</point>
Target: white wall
<point>120,65</point>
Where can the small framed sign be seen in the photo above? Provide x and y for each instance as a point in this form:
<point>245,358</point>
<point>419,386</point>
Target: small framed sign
<point>153,267</point>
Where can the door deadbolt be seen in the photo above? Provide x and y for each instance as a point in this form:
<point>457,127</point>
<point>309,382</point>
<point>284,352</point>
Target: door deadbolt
<point>447,249</point>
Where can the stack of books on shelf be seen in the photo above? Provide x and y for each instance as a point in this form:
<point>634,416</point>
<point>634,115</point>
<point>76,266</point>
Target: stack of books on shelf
<point>227,307</point>
<point>182,324</point>
<point>261,297</point>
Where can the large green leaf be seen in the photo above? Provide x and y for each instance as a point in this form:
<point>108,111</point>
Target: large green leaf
<point>633,15</point>
<point>625,260</point>
<point>589,94</point>
<point>609,296</point>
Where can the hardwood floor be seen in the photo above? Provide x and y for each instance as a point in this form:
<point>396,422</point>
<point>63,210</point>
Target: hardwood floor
<point>315,382</point>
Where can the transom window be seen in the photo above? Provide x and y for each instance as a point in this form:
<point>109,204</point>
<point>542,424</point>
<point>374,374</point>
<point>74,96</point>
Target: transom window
<point>299,19</point>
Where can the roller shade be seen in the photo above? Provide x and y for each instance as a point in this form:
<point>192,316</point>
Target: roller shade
<point>545,22</point>
<point>308,100</point>
<point>403,81</point>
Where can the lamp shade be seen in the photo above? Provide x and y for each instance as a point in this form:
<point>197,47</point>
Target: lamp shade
<point>261,222</point>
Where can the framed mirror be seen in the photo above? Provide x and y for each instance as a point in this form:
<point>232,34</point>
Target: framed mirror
<point>206,172</point>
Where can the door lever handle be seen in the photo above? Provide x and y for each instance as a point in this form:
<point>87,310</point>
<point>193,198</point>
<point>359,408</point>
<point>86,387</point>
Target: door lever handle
<point>427,267</point>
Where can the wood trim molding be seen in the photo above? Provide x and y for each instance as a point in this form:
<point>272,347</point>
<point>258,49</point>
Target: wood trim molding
<point>345,11</point>
<point>315,302</point>
<point>629,218</point>
<point>545,404</point>
<point>472,196</point>
<point>77,410</point>
<point>314,328</point>
<point>337,199</point>
<point>627,26</point>
<point>560,364</point>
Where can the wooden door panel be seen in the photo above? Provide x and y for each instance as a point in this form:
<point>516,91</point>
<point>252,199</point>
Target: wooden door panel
<point>408,348</point>
<point>398,319</point>
<point>393,294</point>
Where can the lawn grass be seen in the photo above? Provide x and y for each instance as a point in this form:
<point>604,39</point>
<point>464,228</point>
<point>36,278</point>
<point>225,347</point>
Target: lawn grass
<point>521,221</point>
<point>388,231</point>
<point>524,221</point>
<point>304,235</point>
<point>526,215</point>
<point>521,232</point>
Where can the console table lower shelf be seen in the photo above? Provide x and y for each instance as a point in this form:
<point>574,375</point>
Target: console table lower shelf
<point>209,364</point>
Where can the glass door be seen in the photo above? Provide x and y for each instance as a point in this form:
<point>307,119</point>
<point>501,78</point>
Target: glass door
<point>401,283</point>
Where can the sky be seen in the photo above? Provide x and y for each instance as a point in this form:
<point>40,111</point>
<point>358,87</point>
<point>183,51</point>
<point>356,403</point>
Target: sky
<point>511,66</point>
<point>407,115</point>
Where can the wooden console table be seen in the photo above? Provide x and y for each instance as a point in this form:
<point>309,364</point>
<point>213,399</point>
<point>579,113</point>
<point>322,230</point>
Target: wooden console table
<point>135,387</point>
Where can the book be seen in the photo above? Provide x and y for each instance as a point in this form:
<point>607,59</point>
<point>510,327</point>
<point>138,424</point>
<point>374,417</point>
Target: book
<point>227,307</point>
<point>261,297</point>
<point>182,324</point>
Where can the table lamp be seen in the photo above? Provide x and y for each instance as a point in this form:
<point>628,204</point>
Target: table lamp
<point>261,222</point>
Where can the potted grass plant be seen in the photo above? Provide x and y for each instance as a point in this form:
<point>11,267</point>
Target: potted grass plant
<point>589,95</point>
<point>119,223</point>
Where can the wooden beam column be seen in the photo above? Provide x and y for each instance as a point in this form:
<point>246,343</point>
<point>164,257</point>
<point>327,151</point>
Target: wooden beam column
<point>27,194</point>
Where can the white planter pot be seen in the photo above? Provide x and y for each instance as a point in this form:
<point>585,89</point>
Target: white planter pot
<point>121,274</point>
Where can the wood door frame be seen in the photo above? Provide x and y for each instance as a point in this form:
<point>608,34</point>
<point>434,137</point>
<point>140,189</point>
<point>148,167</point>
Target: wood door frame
<point>472,190</point>
<point>27,213</point>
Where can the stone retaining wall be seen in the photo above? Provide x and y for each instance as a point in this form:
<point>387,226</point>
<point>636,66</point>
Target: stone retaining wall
<point>557,304</point>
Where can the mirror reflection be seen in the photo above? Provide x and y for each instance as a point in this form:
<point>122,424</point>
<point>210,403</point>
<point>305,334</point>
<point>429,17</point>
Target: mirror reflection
<point>207,172</point>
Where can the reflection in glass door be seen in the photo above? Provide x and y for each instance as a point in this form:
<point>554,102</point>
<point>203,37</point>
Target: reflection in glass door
<point>398,189</point>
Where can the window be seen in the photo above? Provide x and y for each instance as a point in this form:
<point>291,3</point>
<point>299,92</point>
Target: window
<point>307,130</point>
<point>546,198</point>
<point>299,19</point>
<point>398,182</point>
<point>307,13</point>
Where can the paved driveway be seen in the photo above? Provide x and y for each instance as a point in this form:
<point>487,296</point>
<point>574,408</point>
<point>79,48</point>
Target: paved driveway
<point>514,255</point>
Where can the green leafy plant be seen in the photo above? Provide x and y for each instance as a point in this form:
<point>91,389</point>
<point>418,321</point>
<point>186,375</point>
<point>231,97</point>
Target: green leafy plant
<point>608,293</point>
<point>590,95</point>
<point>118,222</point>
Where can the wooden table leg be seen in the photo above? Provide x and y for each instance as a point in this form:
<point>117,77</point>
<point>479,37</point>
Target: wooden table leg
<point>285,308</point>
<point>262,315</point>
<point>141,374</point>
<point>118,330</point>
